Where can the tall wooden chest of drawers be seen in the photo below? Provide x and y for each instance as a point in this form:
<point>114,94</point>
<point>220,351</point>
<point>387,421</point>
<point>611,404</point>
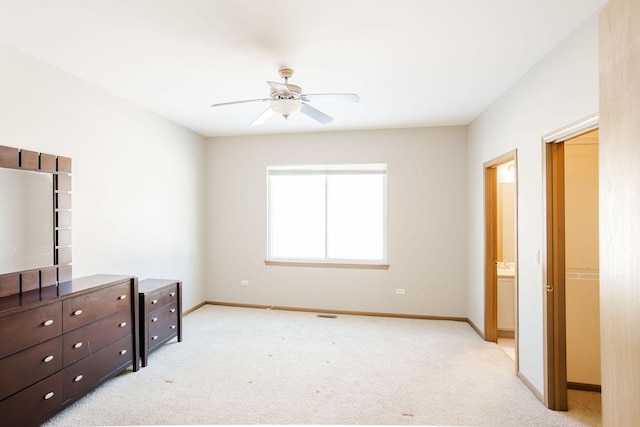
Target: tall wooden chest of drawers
<point>54,351</point>
<point>160,314</point>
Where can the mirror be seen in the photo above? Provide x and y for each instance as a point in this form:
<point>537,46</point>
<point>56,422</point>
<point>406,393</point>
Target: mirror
<point>26,220</point>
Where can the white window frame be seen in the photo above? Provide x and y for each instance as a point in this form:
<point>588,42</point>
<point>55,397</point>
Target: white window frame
<point>329,169</point>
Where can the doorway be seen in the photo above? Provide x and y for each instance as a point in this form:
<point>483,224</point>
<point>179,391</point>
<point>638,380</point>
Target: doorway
<point>501,278</point>
<point>571,291</point>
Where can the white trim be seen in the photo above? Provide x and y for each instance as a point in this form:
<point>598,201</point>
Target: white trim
<point>330,169</point>
<point>572,130</point>
<point>328,264</point>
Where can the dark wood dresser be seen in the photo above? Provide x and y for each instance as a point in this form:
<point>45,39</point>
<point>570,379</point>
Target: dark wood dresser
<point>56,348</point>
<point>160,314</point>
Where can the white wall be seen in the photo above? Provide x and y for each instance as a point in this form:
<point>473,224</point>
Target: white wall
<point>427,219</point>
<point>137,178</point>
<point>559,90</point>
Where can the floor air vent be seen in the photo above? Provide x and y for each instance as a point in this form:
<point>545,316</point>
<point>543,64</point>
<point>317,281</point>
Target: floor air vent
<point>327,316</point>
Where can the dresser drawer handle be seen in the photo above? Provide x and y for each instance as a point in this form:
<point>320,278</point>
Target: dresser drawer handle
<point>172,327</point>
<point>155,337</point>
<point>173,310</point>
<point>123,324</point>
<point>77,345</point>
<point>172,294</point>
<point>78,378</point>
<point>155,301</point>
<point>154,319</point>
<point>47,359</point>
<point>49,395</point>
<point>77,312</point>
<point>121,297</point>
<point>48,322</point>
<point>123,351</point>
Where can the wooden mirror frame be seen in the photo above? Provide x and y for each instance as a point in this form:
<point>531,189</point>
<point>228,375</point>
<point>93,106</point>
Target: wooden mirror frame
<point>43,281</point>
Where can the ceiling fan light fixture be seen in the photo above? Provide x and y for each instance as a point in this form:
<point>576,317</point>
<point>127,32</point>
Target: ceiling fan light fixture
<point>286,107</point>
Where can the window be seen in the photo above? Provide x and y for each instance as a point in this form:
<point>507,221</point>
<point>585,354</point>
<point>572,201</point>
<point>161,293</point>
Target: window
<point>327,213</point>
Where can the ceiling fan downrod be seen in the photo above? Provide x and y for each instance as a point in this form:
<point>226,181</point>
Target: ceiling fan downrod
<point>285,73</point>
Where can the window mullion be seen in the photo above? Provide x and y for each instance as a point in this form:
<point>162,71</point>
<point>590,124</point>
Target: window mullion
<point>326,217</point>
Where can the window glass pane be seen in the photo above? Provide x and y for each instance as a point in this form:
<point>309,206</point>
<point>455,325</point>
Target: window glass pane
<point>297,216</point>
<point>355,217</point>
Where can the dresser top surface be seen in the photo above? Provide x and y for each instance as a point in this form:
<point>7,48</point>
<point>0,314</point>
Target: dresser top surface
<point>150,285</point>
<point>53,293</point>
<point>88,282</point>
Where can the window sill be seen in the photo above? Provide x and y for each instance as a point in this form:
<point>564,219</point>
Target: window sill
<point>327,264</point>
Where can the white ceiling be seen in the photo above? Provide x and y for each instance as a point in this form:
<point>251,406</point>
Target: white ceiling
<point>413,62</point>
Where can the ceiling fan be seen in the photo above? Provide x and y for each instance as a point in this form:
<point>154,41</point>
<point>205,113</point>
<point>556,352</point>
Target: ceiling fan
<point>287,99</point>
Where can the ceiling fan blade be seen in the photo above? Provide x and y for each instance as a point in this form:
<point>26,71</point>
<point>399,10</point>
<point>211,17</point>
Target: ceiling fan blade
<point>315,114</point>
<point>263,117</point>
<point>240,102</point>
<point>280,88</point>
<point>339,97</point>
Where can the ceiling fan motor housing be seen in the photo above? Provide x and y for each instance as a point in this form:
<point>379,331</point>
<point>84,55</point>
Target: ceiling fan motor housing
<point>295,91</point>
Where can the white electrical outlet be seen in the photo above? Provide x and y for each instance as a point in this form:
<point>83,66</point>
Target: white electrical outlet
<point>400,291</point>
<point>244,283</point>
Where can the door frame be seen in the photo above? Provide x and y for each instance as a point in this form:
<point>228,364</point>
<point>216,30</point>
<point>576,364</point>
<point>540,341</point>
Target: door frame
<point>491,248</point>
<point>553,265</point>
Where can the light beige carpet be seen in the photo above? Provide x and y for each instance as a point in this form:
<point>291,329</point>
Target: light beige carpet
<point>252,366</point>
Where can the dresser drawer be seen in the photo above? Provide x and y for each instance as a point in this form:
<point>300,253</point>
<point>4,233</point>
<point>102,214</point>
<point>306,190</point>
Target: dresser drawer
<point>161,334</point>
<point>33,364</point>
<point>163,314</point>
<point>86,373</point>
<point>28,328</point>
<point>162,297</point>
<point>82,342</point>
<point>82,310</point>
<point>34,404</point>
